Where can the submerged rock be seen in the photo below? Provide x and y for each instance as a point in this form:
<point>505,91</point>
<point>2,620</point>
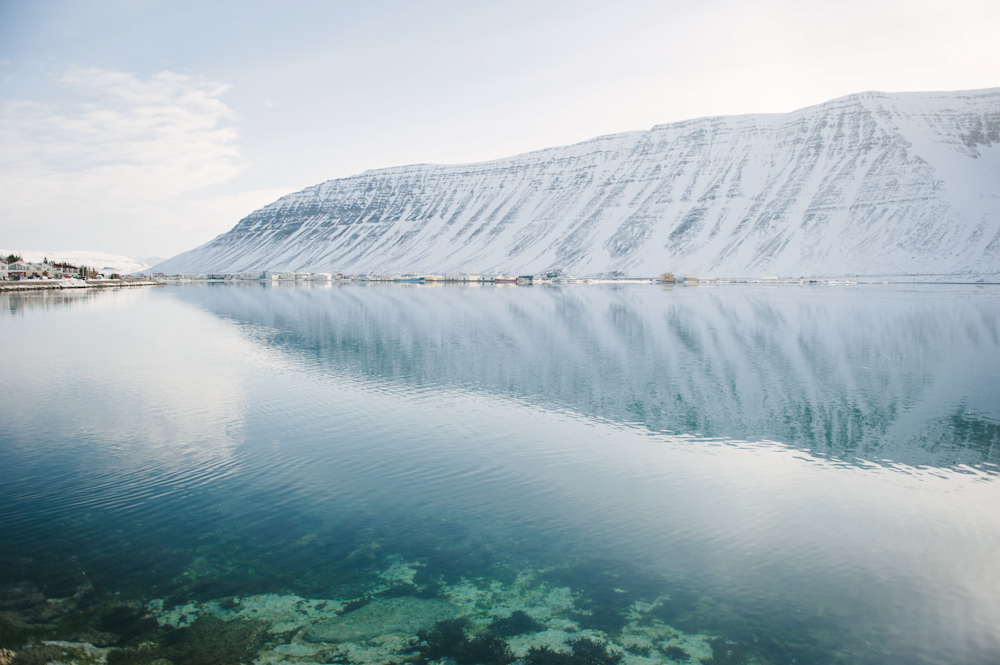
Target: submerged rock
<point>518,623</point>
<point>383,617</point>
<point>213,641</point>
<point>281,613</point>
<point>448,641</point>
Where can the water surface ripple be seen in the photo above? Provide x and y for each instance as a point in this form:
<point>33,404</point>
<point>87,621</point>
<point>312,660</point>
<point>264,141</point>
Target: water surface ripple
<point>808,473</point>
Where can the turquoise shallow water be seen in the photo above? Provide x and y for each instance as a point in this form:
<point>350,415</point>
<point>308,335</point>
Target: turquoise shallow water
<point>743,473</point>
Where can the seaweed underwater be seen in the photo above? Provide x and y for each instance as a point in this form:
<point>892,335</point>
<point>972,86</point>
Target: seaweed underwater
<point>238,600</point>
<point>529,616</point>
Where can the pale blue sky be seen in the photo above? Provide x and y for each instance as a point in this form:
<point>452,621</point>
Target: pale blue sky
<point>145,128</point>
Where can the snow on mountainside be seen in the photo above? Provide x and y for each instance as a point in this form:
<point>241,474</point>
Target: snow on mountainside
<point>871,183</point>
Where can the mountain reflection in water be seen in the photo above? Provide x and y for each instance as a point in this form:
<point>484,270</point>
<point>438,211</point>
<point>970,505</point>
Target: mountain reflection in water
<point>900,373</point>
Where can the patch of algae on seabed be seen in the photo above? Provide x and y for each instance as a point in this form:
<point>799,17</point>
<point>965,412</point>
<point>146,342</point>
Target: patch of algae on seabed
<point>384,631</point>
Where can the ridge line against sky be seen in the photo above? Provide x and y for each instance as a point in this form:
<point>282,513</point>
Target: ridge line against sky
<point>147,128</point>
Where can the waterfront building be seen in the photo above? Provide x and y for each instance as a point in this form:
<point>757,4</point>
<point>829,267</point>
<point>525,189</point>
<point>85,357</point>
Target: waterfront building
<point>41,269</point>
<point>64,270</point>
<point>17,270</point>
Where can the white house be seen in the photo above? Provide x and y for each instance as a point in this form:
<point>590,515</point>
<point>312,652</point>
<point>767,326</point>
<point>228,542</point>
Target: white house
<point>18,269</point>
<point>40,269</point>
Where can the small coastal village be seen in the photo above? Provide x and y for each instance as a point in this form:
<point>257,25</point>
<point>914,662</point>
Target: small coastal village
<point>14,268</point>
<point>474,279</point>
<point>16,274</point>
<point>415,278</point>
<point>19,274</point>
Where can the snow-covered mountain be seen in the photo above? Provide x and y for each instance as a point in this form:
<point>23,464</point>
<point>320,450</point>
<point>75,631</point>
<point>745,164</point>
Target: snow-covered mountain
<point>871,183</point>
<point>96,260</point>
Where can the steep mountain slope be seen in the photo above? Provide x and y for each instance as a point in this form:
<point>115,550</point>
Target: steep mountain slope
<point>871,183</point>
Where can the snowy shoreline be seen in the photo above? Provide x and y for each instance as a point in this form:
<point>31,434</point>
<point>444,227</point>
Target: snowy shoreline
<point>60,284</point>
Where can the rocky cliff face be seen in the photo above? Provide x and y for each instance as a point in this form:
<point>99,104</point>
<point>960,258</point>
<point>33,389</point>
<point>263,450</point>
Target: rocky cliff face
<point>868,184</point>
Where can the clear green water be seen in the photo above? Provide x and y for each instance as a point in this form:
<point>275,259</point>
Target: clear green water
<point>741,474</point>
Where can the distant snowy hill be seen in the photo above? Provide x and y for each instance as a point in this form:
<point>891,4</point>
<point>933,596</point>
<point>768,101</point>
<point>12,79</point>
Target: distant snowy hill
<point>97,260</point>
<point>149,260</point>
<point>872,183</point>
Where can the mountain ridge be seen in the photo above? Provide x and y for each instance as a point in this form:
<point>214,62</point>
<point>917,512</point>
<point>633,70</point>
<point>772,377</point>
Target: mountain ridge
<point>868,183</point>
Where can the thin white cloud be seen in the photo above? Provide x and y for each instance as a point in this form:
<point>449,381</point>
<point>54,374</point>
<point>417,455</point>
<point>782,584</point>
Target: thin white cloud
<point>116,154</point>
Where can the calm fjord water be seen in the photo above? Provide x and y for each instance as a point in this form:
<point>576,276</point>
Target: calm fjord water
<point>809,473</point>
